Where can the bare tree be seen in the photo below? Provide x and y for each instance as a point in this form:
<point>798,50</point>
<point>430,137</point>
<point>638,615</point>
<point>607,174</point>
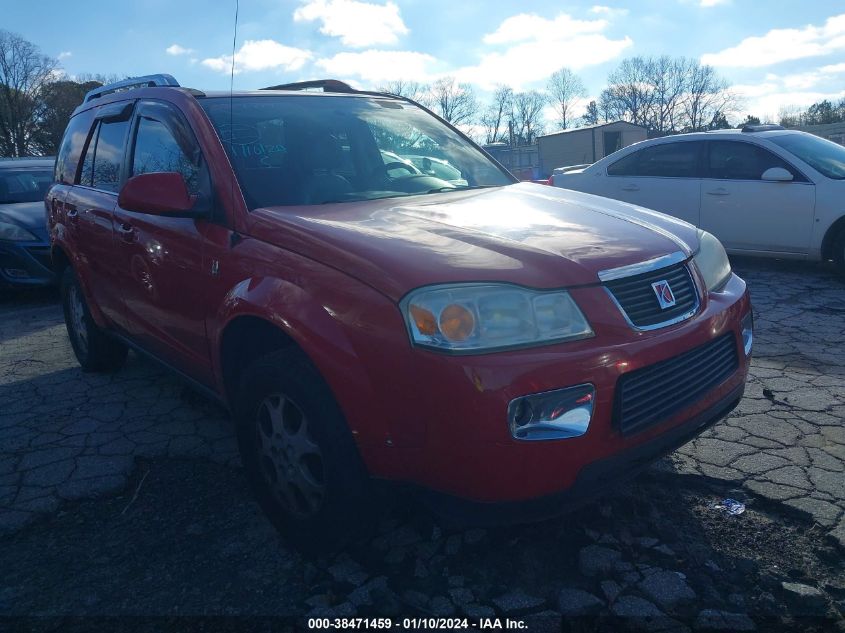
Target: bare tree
<point>24,72</point>
<point>707,96</point>
<point>667,95</point>
<point>455,102</point>
<point>496,116</point>
<point>566,90</point>
<point>629,93</point>
<point>402,87</point>
<point>527,116</point>
<point>668,80</point>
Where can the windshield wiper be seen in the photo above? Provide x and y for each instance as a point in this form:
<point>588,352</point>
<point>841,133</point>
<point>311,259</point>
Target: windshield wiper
<point>461,188</point>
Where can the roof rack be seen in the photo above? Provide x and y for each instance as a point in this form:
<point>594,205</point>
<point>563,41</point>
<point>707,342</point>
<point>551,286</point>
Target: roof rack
<point>134,82</point>
<point>328,85</point>
<point>765,127</point>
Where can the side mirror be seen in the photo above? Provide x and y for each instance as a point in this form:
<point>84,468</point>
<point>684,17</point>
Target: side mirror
<point>777,174</point>
<point>156,193</point>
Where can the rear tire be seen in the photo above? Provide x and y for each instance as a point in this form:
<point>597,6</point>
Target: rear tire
<point>95,350</point>
<point>299,454</point>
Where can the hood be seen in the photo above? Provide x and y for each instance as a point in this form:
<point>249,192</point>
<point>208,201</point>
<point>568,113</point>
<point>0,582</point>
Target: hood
<point>30,215</point>
<point>527,234</point>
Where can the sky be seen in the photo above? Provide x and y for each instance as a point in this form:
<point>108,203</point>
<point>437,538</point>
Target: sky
<point>775,53</point>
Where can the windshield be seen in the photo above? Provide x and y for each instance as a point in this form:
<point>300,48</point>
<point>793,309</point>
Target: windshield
<point>301,150</point>
<point>24,185</point>
<point>822,155</point>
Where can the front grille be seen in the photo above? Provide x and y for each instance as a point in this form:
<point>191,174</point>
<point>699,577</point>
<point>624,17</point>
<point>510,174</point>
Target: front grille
<point>638,300</point>
<point>653,394</point>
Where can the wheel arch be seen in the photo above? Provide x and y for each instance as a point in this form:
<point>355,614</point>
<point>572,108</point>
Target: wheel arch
<point>244,339</point>
<point>829,240</point>
<point>59,259</point>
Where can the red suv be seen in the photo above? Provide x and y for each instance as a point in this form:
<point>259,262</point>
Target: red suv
<point>499,343</point>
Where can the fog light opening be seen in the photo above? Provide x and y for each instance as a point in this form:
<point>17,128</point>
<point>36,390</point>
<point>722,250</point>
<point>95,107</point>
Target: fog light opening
<point>552,415</point>
<point>748,333</point>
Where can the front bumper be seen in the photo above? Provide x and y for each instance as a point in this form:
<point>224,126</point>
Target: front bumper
<point>466,449</point>
<point>26,264</point>
<point>591,481</point>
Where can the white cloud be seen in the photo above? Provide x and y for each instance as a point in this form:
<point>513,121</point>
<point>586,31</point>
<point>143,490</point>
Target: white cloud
<point>770,105</point>
<point>538,45</point>
<point>712,3</point>
<point>817,78</point>
<point>833,69</point>
<point>175,49</point>
<point>64,55</point>
<point>780,45</point>
<point>379,66</point>
<point>356,23</point>
<point>610,12</point>
<point>260,55</point>
<point>530,26</point>
<point>766,98</point>
<point>752,91</point>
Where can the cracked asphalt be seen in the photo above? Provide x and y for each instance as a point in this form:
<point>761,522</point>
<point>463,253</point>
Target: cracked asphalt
<point>131,484</point>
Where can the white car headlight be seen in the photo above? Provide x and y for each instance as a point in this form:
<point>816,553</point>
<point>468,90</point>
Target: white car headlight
<point>485,317</point>
<point>13,233</point>
<point>712,261</point>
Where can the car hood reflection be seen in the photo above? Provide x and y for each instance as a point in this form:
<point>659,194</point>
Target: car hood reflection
<point>526,234</point>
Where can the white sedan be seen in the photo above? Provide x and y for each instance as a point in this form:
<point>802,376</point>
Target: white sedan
<point>762,190</point>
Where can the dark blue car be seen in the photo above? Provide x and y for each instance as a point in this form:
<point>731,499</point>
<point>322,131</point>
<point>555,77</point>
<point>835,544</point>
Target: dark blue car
<point>24,243</point>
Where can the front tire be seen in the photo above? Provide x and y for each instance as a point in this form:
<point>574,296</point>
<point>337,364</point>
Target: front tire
<point>299,454</point>
<point>839,252</point>
<point>95,350</point>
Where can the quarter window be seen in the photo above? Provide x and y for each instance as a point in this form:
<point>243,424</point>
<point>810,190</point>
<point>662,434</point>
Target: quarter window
<point>729,160</point>
<point>667,160</point>
<point>73,142</point>
<point>86,172</point>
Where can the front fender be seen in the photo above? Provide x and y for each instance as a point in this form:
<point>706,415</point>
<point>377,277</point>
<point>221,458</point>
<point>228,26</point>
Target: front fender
<point>356,339</point>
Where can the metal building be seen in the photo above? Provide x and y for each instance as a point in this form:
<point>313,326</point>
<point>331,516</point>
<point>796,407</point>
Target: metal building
<point>585,145</point>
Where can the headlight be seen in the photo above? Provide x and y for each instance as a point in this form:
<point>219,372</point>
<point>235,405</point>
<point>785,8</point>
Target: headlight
<point>712,261</point>
<point>14,233</point>
<point>484,317</point>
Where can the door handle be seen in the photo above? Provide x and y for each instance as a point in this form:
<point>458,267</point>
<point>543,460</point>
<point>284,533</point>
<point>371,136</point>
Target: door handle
<point>71,212</point>
<point>718,192</point>
<point>630,188</point>
<point>127,232</point>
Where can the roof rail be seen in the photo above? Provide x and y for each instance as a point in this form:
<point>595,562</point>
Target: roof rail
<point>764,127</point>
<point>133,82</point>
<point>328,85</point>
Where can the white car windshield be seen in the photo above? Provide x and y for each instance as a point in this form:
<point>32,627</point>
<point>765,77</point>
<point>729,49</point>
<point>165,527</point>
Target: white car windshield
<point>310,149</point>
<point>824,156</point>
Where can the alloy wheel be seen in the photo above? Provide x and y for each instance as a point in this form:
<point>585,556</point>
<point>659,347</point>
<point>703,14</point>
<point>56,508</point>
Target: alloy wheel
<point>77,318</point>
<point>291,462</point>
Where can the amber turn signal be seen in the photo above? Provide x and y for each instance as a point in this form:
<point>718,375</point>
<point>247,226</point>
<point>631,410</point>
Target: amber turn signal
<point>424,320</point>
<point>456,322</point>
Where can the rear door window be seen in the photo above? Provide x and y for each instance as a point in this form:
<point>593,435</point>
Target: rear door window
<point>103,158</point>
<point>108,156</point>
<point>667,160</point>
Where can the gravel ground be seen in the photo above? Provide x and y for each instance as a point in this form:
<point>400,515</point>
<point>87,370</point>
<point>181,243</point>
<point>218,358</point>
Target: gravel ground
<point>123,496</point>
